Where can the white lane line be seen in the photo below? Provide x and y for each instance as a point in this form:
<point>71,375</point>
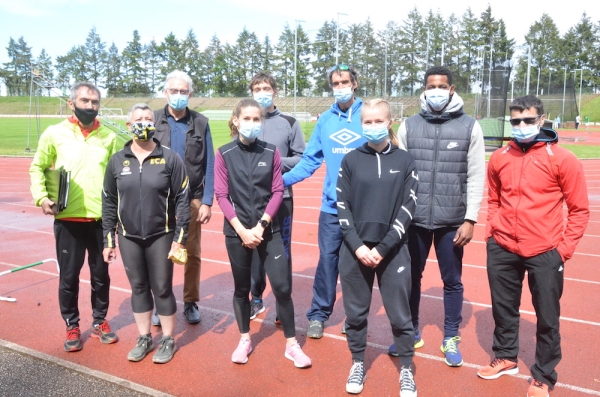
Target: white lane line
<point>343,338</point>
<point>84,370</point>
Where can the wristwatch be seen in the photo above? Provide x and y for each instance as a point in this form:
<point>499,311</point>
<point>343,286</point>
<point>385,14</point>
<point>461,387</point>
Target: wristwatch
<point>263,223</point>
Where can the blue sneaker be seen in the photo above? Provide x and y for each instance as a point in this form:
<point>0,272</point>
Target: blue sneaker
<point>419,342</point>
<point>450,350</point>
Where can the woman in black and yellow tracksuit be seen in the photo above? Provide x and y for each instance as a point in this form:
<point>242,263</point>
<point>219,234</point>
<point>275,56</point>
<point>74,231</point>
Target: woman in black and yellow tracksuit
<point>146,199</point>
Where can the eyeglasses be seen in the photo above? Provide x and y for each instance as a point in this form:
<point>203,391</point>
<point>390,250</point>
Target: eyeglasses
<point>341,67</point>
<point>174,91</point>
<point>526,120</point>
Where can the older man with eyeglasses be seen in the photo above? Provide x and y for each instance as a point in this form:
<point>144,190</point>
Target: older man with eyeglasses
<point>337,132</point>
<point>187,132</point>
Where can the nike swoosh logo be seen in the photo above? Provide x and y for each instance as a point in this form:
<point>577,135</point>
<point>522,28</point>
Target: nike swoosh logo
<point>393,172</point>
<point>401,268</point>
<point>278,256</point>
<point>452,145</point>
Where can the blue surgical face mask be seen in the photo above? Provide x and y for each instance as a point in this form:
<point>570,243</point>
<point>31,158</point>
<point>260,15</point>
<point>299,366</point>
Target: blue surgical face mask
<point>375,134</point>
<point>343,95</point>
<point>525,134</point>
<point>264,99</point>
<point>437,98</point>
<point>249,131</point>
<point>178,102</point>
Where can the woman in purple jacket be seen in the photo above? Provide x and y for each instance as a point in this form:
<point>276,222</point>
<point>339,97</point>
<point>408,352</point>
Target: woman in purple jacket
<point>249,190</point>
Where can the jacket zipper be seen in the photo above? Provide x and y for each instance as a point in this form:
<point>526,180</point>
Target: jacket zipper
<point>141,206</point>
<point>433,175</point>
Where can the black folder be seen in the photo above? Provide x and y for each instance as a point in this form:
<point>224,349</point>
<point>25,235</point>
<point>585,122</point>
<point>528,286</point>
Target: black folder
<point>57,186</point>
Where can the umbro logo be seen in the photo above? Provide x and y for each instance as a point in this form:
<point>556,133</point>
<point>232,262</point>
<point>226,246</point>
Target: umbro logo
<point>345,136</point>
<point>262,164</point>
<point>452,145</point>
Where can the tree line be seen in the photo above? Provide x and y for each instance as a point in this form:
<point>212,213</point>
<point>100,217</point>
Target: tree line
<point>390,61</point>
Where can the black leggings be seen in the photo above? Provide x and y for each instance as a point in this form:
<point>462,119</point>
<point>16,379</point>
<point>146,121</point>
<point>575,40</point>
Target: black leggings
<point>271,252</point>
<point>149,273</point>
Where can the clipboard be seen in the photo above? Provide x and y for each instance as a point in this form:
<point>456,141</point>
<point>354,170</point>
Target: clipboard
<point>57,186</point>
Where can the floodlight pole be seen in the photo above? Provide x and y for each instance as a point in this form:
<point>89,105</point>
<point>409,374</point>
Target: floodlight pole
<point>296,62</point>
<point>490,80</point>
<point>564,93</point>
<point>528,68</point>
<point>537,90</point>
<point>337,38</point>
<point>385,72</point>
<point>580,84</point>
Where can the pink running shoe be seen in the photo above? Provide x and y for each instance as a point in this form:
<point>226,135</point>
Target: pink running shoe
<point>294,352</point>
<point>240,354</point>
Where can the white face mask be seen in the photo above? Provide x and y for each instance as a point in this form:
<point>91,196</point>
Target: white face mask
<point>437,98</point>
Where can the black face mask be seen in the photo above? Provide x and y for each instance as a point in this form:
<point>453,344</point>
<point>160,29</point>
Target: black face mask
<point>85,116</point>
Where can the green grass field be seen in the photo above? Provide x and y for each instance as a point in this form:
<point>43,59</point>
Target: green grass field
<point>14,133</point>
<point>14,136</point>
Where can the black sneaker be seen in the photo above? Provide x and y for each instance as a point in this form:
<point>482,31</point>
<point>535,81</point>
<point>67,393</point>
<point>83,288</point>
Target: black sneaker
<point>256,308</point>
<point>166,350</point>
<point>315,329</point>
<point>357,377</point>
<point>408,388</point>
<point>143,346</point>
<point>191,312</point>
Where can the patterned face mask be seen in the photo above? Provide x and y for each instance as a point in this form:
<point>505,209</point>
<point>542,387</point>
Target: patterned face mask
<point>143,131</point>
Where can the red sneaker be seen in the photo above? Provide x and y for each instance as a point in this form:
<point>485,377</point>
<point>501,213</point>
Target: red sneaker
<point>73,342</point>
<point>497,368</point>
<point>104,333</point>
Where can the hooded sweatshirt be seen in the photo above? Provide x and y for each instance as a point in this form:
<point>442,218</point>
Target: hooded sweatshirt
<point>336,134</point>
<point>381,217</point>
<point>527,187</point>
<point>433,171</point>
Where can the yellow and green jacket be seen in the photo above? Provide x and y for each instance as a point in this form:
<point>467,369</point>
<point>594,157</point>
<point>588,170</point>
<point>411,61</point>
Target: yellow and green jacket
<point>64,145</point>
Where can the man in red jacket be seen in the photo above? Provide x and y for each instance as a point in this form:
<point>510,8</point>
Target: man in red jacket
<point>529,180</point>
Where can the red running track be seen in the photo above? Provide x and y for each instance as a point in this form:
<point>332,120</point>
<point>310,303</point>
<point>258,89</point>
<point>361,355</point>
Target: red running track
<point>202,365</point>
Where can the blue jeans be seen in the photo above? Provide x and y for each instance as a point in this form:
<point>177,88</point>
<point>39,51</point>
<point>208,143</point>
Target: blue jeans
<point>326,275</point>
<point>450,263</point>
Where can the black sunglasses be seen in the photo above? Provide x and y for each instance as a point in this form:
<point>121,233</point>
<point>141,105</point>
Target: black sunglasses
<point>341,67</point>
<point>526,120</point>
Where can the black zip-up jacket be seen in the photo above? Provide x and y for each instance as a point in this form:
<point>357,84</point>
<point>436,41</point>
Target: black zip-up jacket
<point>195,147</point>
<point>248,183</point>
<point>148,199</point>
<point>376,197</point>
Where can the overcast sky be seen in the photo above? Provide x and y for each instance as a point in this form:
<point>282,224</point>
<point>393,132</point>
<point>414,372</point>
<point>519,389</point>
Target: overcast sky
<point>57,25</point>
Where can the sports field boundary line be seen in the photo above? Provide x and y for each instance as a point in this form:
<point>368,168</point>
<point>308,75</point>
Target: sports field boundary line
<point>84,370</point>
<point>303,330</point>
<point>465,302</point>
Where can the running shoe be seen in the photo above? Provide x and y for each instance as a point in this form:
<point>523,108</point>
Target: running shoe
<point>537,389</point>
<point>191,312</point>
<point>104,333</point>
<point>497,368</point>
<point>449,347</point>
<point>408,388</point>
<point>166,350</point>
<point>155,319</point>
<point>419,342</point>
<point>294,352</point>
<point>73,341</point>
<point>256,308</point>
<point>315,329</point>
<point>240,354</point>
<point>143,346</point>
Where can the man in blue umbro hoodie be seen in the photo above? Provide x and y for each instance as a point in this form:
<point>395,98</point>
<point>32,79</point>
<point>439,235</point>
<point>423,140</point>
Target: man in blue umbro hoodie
<point>337,132</point>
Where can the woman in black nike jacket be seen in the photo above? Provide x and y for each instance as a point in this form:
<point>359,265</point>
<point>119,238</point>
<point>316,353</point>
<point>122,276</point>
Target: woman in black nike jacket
<point>376,198</point>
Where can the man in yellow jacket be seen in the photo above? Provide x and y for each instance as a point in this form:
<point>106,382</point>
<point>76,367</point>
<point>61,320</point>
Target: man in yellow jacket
<point>82,146</point>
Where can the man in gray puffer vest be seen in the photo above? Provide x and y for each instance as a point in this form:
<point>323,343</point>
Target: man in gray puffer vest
<point>449,153</point>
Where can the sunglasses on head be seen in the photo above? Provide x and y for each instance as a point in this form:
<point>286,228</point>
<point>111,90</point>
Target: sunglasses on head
<point>341,67</point>
<point>526,120</point>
